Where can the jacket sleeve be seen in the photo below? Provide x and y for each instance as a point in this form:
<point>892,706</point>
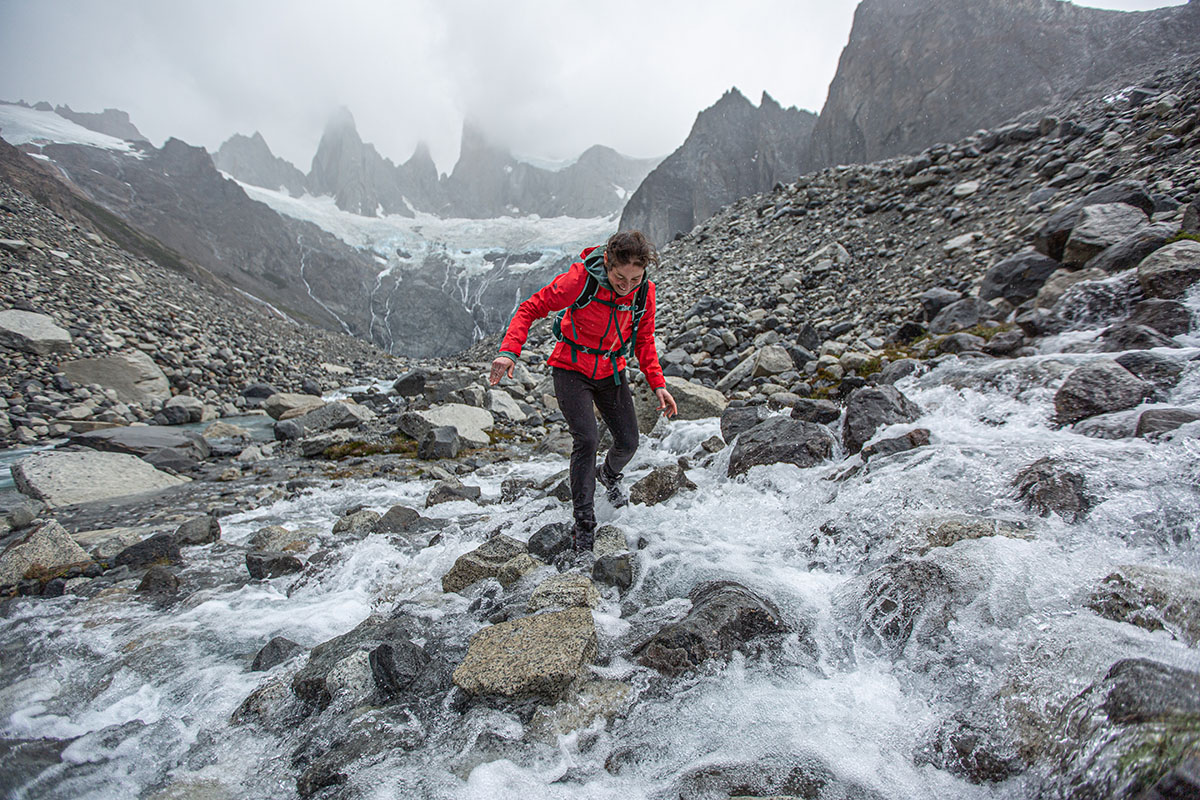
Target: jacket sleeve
<point>647,353</point>
<point>554,296</point>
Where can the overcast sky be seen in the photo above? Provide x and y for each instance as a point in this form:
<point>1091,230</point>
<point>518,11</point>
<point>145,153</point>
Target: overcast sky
<point>547,78</point>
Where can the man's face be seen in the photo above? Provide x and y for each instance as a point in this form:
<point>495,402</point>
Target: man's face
<point>626,277</point>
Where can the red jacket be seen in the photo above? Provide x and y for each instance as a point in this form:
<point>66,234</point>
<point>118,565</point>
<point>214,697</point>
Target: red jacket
<point>591,326</point>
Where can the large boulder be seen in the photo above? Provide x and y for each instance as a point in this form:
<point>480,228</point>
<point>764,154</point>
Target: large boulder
<point>1098,388</point>
<point>1099,227</point>
<point>966,313</point>
<point>471,423</point>
<point>32,333</point>
<point>738,419</point>
<point>694,400</point>
<point>1168,317</point>
<point>286,405</point>
<point>1169,271</point>
<point>335,416</point>
<point>1045,486</point>
<point>1051,238</point>
<point>568,590</point>
<point>660,485</point>
<point>725,616</point>
<point>781,440</point>
<point>45,549</point>
<point>323,677</point>
<point>484,561</point>
<point>533,657</point>
<point>1018,278</point>
<point>871,407</point>
<point>764,362</point>
<point>133,376</point>
<point>66,478</point>
<point>1129,252</point>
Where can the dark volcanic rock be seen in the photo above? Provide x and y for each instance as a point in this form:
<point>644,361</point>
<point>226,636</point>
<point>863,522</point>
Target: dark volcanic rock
<point>724,617</point>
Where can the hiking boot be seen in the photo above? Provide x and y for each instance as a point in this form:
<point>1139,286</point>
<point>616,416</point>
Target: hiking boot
<point>583,536</point>
<point>612,488</point>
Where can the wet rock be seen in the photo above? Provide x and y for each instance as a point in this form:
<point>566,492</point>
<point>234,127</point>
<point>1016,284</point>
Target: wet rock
<point>1154,598</point>
<point>609,540</point>
<point>1161,372</point>
<point>660,485</point>
<point>471,423</point>
<point>266,564</point>
<point>1098,227</point>
<point>26,759</point>
<point>484,561</point>
<point>515,568</point>
<point>1157,421</point>
<point>277,537</point>
<point>567,590</point>
<point>532,657</point>
<point>1168,272</point>
<point>870,408</point>
<point>821,412</point>
<point>976,749</point>
<point>966,313</point>
<point>104,544</point>
<point>199,530</point>
<point>1051,238</point>
<point>1126,336</point>
<point>1045,487</point>
<point>67,478</point>
<point>44,550</point>
<point>899,602</point>
<point>791,775</point>
<point>1004,343</point>
<point>161,549</point>
<point>158,580</point>
<point>1168,317</point>
<point>32,333</point>
<point>614,569</point>
<point>450,491</point>
<point>360,520</point>
<point>725,616</point>
<point>275,652</point>
<point>950,532</point>
<point>1142,715</point>
<point>325,673</point>
<point>133,376</point>
<point>1129,252</point>
<point>580,707</point>
<point>550,540</point>
<point>1098,388</point>
<point>1018,278</point>
<point>781,440</point>
<point>396,665</point>
<point>897,444</point>
<point>738,419</point>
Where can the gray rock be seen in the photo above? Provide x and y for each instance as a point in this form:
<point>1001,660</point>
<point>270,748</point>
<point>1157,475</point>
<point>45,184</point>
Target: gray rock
<point>694,401</point>
<point>358,521</point>
<point>660,485</point>
<point>67,478</point>
<point>766,361</point>
<point>898,369</point>
<point>318,681</point>
<point>104,544</point>
<point>550,540</point>
<point>313,446</point>
<point>484,561</point>
<point>1168,317</point>
<point>567,590</point>
<point>340,414</point>
<point>277,537</point>
<point>437,442</point>
<point>1097,228</point>
<point>1018,278</point>
<point>191,407</point>
<point>735,420</point>
<point>515,568</point>
<point>897,444</point>
<point>43,550</point>
<point>1045,487</point>
<point>471,423</point>
<point>962,343</point>
<point>397,665</point>
<point>449,491</point>
<point>158,580</point>
<point>275,652</point>
<point>1098,388</point>
<point>1155,421</point>
<point>1162,372</point>
<point>411,383</point>
<point>934,300</point>
<point>533,657</point>
<point>502,404</point>
<point>609,540</point>
<point>264,564</point>
<point>822,412</point>
<point>1154,598</point>
<point>1128,336</point>
<point>199,530</point>
<point>1005,342</point>
<point>781,440</point>
<point>1169,271</point>
<point>614,569</point>
<point>32,333</point>
<point>966,313</point>
<point>1051,238</point>
<point>142,440</point>
<point>133,376</point>
<point>725,617</point>
<point>286,405</point>
<point>871,407</point>
<point>1130,251</point>
<point>161,548</point>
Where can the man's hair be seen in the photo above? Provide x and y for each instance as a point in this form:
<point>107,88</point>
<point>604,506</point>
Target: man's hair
<point>631,247</point>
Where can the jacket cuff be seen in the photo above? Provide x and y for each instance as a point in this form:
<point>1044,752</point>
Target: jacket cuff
<point>510,354</point>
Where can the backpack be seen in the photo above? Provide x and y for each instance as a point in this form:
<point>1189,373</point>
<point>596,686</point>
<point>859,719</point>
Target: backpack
<point>595,260</point>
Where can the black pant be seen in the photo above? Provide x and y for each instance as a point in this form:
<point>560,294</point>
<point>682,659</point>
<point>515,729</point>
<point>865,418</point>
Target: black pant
<point>576,395</point>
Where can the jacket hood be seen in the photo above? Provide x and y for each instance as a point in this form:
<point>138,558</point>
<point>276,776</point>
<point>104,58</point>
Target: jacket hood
<point>593,262</point>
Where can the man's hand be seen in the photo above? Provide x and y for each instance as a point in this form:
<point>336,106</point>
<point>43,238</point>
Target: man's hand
<point>666,403</point>
<point>504,365</point>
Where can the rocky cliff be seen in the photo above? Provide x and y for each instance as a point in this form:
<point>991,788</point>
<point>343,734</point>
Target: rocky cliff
<point>733,150</point>
<point>249,159</point>
<point>917,72</point>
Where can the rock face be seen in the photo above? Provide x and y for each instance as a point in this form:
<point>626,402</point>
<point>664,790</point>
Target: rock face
<point>250,160</point>
<point>63,479</point>
<point>132,375</point>
<point>724,617</point>
<point>917,72</point>
<point>733,150</point>
<point>33,333</point>
<point>538,656</point>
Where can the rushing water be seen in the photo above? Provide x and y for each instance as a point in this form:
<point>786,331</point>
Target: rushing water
<point>144,694</point>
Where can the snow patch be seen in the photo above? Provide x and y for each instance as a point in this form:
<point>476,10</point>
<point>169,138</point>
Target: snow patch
<point>20,125</point>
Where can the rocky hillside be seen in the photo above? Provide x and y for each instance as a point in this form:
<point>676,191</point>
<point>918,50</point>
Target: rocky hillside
<point>733,149</point>
<point>916,72</point>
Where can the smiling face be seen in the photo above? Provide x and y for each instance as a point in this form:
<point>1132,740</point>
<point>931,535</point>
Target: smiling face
<point>625,277</point>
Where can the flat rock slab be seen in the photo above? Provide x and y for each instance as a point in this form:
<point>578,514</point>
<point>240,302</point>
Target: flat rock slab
<point>64,479</point>
<point>133,376</point>
<point>536,656</point>
<point>471,423</point>
<point>141,440</point>
<point>32,333</point>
